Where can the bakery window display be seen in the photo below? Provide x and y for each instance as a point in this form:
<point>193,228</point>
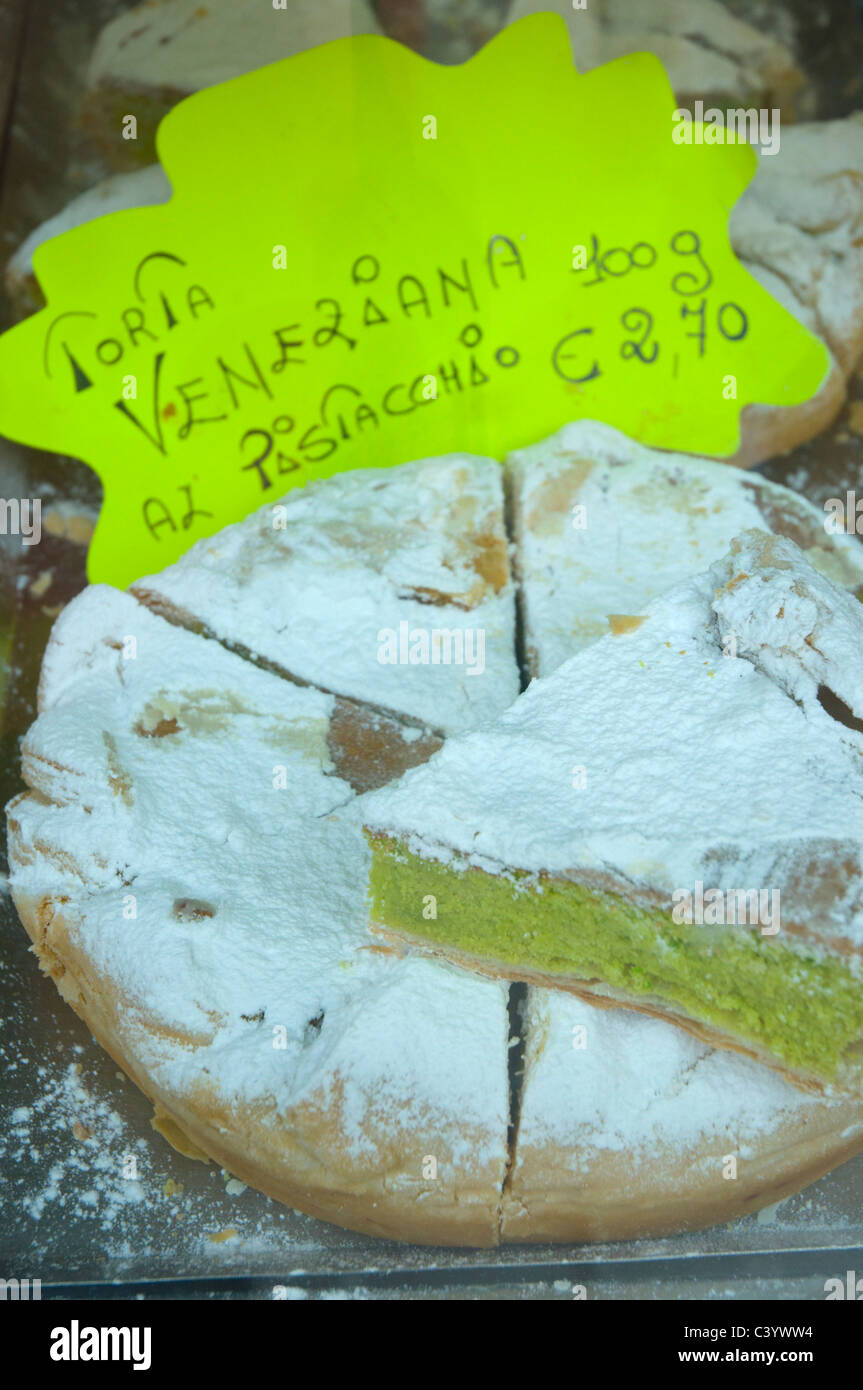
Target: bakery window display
<point>229,757</point>
<point>190,860</point>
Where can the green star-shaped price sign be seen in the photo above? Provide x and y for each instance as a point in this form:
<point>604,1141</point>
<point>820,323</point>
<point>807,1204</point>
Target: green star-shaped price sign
<point>370,258</point>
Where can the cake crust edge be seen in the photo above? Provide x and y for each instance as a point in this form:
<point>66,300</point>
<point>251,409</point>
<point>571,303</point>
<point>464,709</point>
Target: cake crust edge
<point>382,1205</point>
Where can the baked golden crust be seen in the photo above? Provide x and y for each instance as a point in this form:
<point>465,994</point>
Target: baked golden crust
<point>625,1196</point>
<point>302,1160</point>
<point>608,1195</point>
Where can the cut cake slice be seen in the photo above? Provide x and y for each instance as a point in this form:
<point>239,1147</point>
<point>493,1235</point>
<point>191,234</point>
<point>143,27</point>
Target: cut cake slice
<point>356,744</point>
<point>388,585</point>
<point>672,821</point>
<point>602,525</point>
<point>188,866</point>
<point>628,1127</point>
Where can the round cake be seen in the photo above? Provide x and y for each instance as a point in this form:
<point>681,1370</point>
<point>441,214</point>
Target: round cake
<point>189,858</point>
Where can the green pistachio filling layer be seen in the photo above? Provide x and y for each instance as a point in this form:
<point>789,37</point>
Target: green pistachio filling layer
<point>767,991</point>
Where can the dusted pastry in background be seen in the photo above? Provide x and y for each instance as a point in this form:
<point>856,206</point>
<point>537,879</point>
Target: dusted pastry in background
<point>150,57</point>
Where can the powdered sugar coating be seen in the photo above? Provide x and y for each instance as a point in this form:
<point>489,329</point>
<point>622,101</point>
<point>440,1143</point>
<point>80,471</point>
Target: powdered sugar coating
<point>601,1080</point>
<point>688,769</point>
<point>604,525</point>
<point>312,583</point>
<point>223,907</point>
<point>789,621</point>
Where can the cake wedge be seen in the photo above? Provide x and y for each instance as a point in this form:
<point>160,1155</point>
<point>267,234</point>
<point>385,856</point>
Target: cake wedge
<point>385,585</point>
<point>628,1127</point>
<point>187,864</point>
<point>602,525</point>
<point>672,822</point>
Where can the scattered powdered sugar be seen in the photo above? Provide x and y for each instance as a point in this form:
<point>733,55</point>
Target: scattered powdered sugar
<point>84,1153</point>
<point>91,1191</point>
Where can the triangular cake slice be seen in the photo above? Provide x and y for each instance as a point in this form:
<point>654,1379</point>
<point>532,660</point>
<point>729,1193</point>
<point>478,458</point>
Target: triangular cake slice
<point>628,1128</point>
<point>191,873</point>
<point>672,821</point>
<point>602,525</point>
<point>362,746</point>
<point>389,585</point>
